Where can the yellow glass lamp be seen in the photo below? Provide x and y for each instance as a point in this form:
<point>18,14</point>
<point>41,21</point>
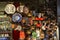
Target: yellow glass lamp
<point>33,18</point>
<point>28,32</point>
<point>13,25</point>
<point>35,22</point>
<point>28,38</point>
<point>23,21</point>
<point>29,14</point>
<point>32,28</point>
<point>42,35</point>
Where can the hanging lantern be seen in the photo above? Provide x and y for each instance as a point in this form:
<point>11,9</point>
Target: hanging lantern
<point>38,32</point>
<point>18,28</point>
<point>23,21</point>
<point>31,21</point>
<point>38,25</point>
<point>34,35</point>
<point>29,14</point>
<point>20,8</point>
<point>16,17</point>
<point>35,22</point>
<point>41,19</point>
<point>10,9</point>
<point>28,32</point>
<point>37,18</point>
<point>26,10</point>
<point>42,35</point>
<point>13,25</point>
<point>22,35</point>
<point>33,18</point>
<point>32,27</point>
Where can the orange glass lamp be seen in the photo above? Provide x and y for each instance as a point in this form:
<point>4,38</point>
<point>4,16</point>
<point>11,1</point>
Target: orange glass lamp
<point>22,35</point>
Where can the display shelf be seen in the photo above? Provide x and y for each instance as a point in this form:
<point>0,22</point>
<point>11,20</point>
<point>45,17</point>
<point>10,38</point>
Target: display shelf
<point>36,5</point>
<point>5,32</point>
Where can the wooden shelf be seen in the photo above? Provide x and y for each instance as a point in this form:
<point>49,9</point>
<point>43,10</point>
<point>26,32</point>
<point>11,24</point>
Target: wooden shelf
<point>5,32</point>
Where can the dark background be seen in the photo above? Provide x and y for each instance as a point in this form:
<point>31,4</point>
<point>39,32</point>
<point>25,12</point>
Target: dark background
<point>36,4</point>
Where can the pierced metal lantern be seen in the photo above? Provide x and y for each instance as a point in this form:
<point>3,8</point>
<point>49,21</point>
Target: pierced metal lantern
<point>17,17</point>
<point>10,9</point>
